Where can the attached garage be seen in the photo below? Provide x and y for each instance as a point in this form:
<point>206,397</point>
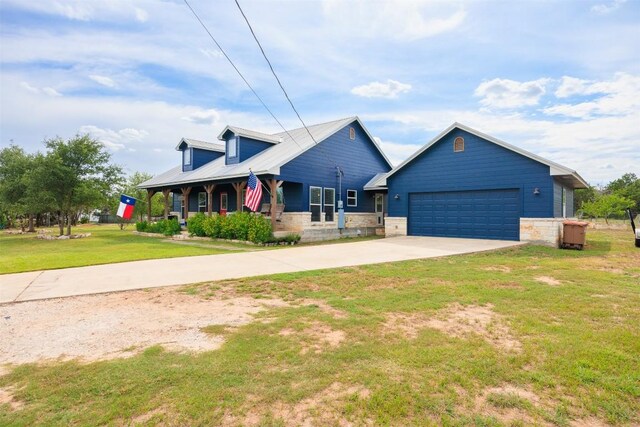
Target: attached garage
<point>468,184</point>
<point>481,214</point>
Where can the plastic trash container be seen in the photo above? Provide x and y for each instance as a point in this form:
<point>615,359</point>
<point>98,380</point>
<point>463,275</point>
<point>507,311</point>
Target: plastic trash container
<point>574,234</point>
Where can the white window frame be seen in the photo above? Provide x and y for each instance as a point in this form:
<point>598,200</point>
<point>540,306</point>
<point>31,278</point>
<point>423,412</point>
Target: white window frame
<point>233,141</point>
<point>311,188</point>
<point>186,156</point>
<point>354,198</point>
<point>332,205</point>
<point>202,201</point>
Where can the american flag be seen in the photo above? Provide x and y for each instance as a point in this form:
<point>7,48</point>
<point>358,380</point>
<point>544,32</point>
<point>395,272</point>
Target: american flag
<point>254,193</point>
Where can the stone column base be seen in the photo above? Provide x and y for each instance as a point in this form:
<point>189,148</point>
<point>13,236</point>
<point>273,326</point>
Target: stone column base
<point>542,231</point>
<point>395,226</point>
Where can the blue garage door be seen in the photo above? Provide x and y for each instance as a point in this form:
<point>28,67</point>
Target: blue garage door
<point>483,214</point>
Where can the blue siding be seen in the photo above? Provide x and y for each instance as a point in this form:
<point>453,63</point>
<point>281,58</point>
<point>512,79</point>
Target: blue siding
<point>482,165</point>
<point>199,158</point>
<point>359,159</point>
<point>250,147</point>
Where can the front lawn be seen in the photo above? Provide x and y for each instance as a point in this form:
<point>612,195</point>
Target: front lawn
<point>107,243</point>
<point>524,336</point>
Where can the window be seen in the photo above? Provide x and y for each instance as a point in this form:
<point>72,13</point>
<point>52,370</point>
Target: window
<point>352,198</point>
<point>232,147</point>
<point>329,204</point>
<point>458,144</point>
<point>186,156</point>
<point>352,134</point>
<point>280,196</point>
<point>181,205</point>
<point>315,203</point>
<point>202,202</point>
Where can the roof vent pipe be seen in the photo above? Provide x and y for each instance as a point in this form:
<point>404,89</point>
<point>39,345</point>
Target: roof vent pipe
<point>281,139</point>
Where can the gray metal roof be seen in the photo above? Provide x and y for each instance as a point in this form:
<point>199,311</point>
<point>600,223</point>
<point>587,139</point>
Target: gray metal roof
<point>249,134</point>
<point>556,170</point>
<point>378,182</point>
<point>203,145</point>
<point>268,161</point>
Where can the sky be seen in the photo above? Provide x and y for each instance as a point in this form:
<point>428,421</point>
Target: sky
<point>558,78</point>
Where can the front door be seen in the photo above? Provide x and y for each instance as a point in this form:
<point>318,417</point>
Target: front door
<point>223,203</point>
<point>379,202</point>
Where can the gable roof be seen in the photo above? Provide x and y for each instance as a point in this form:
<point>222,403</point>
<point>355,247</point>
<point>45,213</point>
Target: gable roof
<point>203,145</point>
<point>561,172</point>
<point>294,143</point>
<point>249,134</point>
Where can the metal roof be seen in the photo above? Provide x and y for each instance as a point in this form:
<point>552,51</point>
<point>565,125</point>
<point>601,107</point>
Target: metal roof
<point>249,134</point>
<point>268,161</point>
<point>203,145</point>
<point>378,182</point>
<point>561,172</point>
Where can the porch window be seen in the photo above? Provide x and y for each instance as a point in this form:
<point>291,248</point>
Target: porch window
<point>329,204</point>
<point>202,202</point>
<point>315,203</point>
<point>352,198</point>
<point>280,196</point>
<point>186,156</point>
<point>181,205</point>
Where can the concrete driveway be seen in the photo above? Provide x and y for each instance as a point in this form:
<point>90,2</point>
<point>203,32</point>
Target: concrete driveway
<point>180,271</point>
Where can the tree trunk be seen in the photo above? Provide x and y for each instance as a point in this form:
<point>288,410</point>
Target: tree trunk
<point>31,224</point>
<point>61,222</point>
<point>68,215</point>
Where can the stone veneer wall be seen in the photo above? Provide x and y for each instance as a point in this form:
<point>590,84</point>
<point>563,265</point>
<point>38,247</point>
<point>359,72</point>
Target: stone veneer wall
<point>395,226</point>
<point>541,231</point>
<point>356,224</point>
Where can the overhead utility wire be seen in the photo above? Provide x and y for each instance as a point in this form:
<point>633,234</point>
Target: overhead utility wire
<point>240,74</point>
<point>274,73</point>
<point>338,168</point>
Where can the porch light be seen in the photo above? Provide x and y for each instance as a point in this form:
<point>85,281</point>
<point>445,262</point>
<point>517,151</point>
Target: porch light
<point>536,191</point>
<point>397,197</point>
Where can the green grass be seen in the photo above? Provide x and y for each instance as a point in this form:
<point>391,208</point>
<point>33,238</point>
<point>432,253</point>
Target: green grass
<point>580,350</point>
<point>106,244</point>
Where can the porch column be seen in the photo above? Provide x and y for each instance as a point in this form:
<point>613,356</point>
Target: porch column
<point>165,193</point>
<point>239,187</point>
<point>150,194</point>
<point>274,184</point>
<point>185,197</point>
<point>209,189</point>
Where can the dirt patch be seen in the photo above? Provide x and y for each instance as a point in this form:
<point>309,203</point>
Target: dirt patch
<point>548,280</point>
<point>500,268</point>
<point>144,418</point>
<point>507,285</point>
<point>94,327</point>
<point>459,321</point>
<point>317,337</point>
<point>508,404</point>
<point>7,398</point>
<point>588,422</point>
<point>326,308</point>
<point>407,325</point>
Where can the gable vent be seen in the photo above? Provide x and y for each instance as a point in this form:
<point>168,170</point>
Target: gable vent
<point>352,133</point>
<point>458,144</point>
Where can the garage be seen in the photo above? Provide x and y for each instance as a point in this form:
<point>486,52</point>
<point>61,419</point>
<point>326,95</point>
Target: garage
<point>481,214</point>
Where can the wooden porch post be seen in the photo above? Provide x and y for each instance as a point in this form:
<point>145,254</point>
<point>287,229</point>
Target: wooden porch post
<point>166,192</point>
<point>185,197</point>
<point>274,184</point>
<point>239,187</point>
<point>150,194</point>
<point>209,189</point>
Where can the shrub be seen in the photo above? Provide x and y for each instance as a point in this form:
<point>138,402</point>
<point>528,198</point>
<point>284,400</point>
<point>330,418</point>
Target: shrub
<point>168,227</point>
<point>292,238</point>
<point>259,229</point>
<point>142,226</point>
<point>171,227</point>
<point>195,225</point>
<point>211,226</point>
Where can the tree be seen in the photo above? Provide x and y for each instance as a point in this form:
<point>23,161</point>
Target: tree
<point>606,206</point>
<point>584,195</point>
<point>77,176</point>
<point>130,188</point>
<point>626,186</point>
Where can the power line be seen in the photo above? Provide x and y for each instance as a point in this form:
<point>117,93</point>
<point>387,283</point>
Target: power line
<point>242,76</point>
<point>274,73</point>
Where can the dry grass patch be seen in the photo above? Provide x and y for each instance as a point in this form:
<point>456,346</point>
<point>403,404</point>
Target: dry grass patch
<point>317,337</point>
<point>7,398</point>
<point>548,280</point>
<point>407,325</point>
<point>508,404</point>
<point>460,321</point>
<point>500,268</point>
<point>324,307</point>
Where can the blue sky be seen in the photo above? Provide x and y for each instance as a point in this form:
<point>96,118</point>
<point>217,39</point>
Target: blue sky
<point>558,78</point>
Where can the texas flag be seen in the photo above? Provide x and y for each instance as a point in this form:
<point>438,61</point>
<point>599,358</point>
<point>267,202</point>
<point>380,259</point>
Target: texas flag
<point>125,210</point>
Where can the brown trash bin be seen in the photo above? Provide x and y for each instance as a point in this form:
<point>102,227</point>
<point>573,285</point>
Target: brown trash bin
<point>574,234</point>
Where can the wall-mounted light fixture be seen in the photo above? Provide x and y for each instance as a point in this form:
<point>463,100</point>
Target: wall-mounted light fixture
<point>536,191</point>
<point>397,197</point>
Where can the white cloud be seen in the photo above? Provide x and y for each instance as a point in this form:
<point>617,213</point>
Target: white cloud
<point>505,93</point>
<point>103,80</point>
<point>51,91</point>
<point>46,90</point>
<point>203,117</point>
<point>607,8</point>
<point>390,89</point>
<point>396,152</point>
<point>402,21</point>
<point>141,15</point>
<point>114,140</point>
<point>571,86</point>
<point>621,97</point>
<point>30,88</point>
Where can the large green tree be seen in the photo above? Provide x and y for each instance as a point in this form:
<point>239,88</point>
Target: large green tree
<point>77,176</point>
<point>130,188</point>
<point>628,186</point>
<point>607,206</point>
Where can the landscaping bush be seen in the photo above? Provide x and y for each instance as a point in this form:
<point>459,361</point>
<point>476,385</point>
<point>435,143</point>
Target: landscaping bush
<point>259,229</point>
<point>195,225</point>
<point>211,226</point>
<point>168,227</point>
